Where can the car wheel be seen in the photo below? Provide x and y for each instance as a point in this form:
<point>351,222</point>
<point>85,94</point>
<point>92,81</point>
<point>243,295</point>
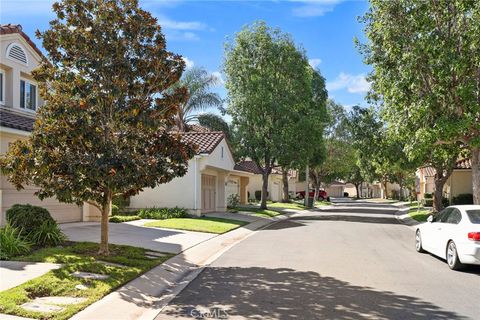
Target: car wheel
<point>418,242</point>
<point>452,257</point>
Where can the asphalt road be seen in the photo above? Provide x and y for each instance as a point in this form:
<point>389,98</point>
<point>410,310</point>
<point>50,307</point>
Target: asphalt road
<point>353,261</point>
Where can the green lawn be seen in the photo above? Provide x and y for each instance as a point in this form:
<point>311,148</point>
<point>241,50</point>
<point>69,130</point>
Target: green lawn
<point>287,205</point>
<point>413,204</point>
<point>420,214</point>
<point>256,211</point>
<point>80,256</point>
<point>322,203</point>
<point>202,224</point>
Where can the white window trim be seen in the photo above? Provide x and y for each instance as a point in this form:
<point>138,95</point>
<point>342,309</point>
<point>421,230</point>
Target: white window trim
<point>4,74</point>
<point>36,95</point>
<point>15,60</point>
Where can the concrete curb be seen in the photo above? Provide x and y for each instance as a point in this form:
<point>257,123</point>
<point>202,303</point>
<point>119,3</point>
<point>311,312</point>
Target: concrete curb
<point>146,296</point>
<point>403,217</point>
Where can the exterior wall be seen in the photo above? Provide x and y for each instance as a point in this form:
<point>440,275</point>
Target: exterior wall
<point>351,190</point>
<point>14,71</point>
<point>274,188</point>
<point>178,192</point>
<point>334,191</point>
<point>459,182</point>
<point>9,196</point>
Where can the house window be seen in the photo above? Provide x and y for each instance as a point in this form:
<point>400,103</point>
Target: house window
<point>28,95</point>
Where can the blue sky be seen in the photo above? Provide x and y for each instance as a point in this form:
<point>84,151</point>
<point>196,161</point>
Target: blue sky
<point>198,30</point>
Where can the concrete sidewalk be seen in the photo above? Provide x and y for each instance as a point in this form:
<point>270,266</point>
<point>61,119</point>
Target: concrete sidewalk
<point>145,296</point>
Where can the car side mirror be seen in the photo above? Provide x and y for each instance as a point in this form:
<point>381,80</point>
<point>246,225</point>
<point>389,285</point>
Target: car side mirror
<point>430,218</point>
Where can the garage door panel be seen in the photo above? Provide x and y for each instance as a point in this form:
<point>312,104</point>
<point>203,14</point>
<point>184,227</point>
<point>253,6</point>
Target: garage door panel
<point>61,212</point>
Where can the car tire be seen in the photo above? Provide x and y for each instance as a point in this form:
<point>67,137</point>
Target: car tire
<point>418,242</point>
<point>452,257</point>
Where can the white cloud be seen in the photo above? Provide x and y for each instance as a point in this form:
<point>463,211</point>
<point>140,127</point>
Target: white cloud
<point>314,8</point>
<point>181,36</point>
<point>188,63</point>
<point>352,83</point>
<point>314,63</point>
<point>218,75</point>
<point>167,23</point>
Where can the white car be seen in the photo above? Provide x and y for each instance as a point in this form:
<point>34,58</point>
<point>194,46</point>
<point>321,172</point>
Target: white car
<point>452,234</point>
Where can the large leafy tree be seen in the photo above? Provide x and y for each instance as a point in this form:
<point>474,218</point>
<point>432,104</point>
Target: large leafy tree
<point>103,129</point>
<point>426,66</point>
<point>199,83</point>
<point>269,85</point>
<point>214,122</point>
<point>303,140</point>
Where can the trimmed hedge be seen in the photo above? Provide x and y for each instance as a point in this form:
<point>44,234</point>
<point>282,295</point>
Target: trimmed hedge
<point>118,219</point>
<point>464,198</point>
<point>162,213</point>
<point>28,218</point>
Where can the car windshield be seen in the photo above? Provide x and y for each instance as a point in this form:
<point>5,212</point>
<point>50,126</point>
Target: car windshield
<point>474,216</point>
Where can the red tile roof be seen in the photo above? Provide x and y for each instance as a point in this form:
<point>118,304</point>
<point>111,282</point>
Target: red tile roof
<point>16,120</point>
<point>205,141</point>
<point>248,166</point>
<point>16,28</point>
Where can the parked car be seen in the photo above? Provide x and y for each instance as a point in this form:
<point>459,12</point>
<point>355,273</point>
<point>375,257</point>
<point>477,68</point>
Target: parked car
<point>453,234</point>
<point>322,194</point>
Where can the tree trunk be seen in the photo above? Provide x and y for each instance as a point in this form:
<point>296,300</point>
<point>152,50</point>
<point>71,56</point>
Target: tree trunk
<point>285,185</point>
<point>357,189</point>
<point>440,179</point>
<point>263,204</point>
<point>385,196</point>
<point>106,211</point>
<point>400,195</point>
<point>476,175</point>
<point>315,193</point>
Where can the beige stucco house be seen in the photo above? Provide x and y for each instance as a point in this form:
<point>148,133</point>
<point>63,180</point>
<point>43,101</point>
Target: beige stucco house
<point>19,101</point>
<point>459,182</point>
<point>275,184</point>
<point>210,180</point>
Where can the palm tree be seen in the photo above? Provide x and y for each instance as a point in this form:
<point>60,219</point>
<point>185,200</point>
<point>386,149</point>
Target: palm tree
<point>198,82</point>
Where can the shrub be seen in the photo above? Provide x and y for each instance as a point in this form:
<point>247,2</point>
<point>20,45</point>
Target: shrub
<point>121,202</point>
<point>464,198</point>
<point>12,243</point>
<point>428,196</point>
<point>27,218</point>
<point>118,219</point>
<point>427,202</point>
<point>115,210</point>
<point>47,234</point>
<point>162,213</point>
<point>445,202</point>
<point>233,201</point>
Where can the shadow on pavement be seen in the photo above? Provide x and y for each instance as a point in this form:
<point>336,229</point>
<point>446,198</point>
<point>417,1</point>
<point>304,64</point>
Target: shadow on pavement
<point>261,293</point>
<point>360,210</point>
<point>347,218</point>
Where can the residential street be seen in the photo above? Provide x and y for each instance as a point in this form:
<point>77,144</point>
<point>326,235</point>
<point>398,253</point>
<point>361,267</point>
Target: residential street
<point>347,262</point>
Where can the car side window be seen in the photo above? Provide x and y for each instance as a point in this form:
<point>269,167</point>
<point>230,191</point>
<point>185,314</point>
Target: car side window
<point>454,217</point>
<point>443,215</point>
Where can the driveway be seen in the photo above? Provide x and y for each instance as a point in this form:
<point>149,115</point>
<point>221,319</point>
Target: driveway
<point>134,234</point>
<point>349,261</point>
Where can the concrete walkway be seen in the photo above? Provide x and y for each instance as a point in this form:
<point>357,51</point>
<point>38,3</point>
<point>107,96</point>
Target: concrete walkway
<point>14,273</point>
<point>133,233</point>
<point>144,297</point>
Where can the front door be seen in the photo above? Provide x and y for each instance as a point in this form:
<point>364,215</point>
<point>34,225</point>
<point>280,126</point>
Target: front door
<point>208,193</point>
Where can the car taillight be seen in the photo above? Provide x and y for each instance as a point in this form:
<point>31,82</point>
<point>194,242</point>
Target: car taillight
<point>474,236</point>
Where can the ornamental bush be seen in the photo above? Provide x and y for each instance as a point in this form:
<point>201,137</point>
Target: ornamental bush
<point>12,243</point>
<point>27,218</point>
<point>464,198</point>
<point>162,213</point>
<point>118,219</point>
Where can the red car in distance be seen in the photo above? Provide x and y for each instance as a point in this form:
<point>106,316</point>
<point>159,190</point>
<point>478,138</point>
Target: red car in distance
<point>322,194</point>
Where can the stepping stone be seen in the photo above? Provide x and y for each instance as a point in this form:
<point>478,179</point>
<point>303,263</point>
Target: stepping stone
<point>81,287</point>
<point>59,300</point>
<point>89,275</point>
<point>40,307</point>
<point>155,254</point>
<point>152,257</point>
<point>111,264</point>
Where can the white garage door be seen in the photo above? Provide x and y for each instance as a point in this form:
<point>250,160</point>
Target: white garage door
<point>233,187</point>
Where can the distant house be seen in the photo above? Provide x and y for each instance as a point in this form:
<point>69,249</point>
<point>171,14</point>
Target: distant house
<point>275,184</point>
<point>19,101</point>
<point>211,178</point>
<point>459,182</point>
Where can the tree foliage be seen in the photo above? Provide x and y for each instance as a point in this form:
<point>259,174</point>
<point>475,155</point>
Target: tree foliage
<point>426,70</point>
<point>269,83</point>
<point>103,129</point>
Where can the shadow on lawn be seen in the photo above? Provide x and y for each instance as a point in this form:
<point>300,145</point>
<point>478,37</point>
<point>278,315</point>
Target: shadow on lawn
<point>261,293</point>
